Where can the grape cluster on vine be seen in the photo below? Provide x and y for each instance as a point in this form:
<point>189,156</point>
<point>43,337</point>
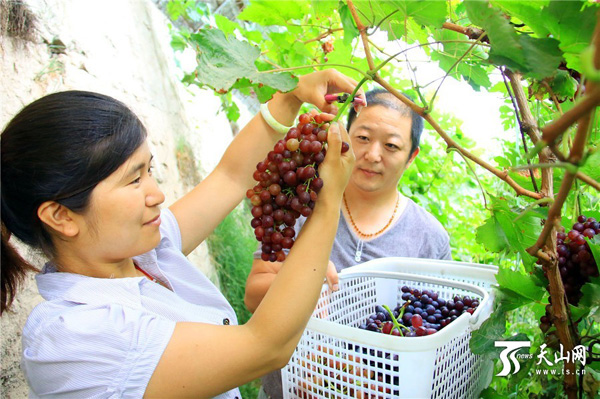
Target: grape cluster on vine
<point>422,313</point>
<point>575,262</point>
<point>288,184</point>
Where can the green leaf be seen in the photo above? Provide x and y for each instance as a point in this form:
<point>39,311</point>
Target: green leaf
<point>253,36</point>
<point>491,236</point>
<point>225,25</point>
<point>222,61</point>
<point>572,26</point>
<point>274,12</point>
<point>521,284</point>
<point>542,56</point>
<point>563,84</point>
<point>509,299</point>
<point>178,43</point>
<point>482,340</point>
<point>474,74</point>
<point>491,393</point>
<point>577,312</point>
<point>350,29</point>
<point>503,38</point>
<point>535,57</point>
<point>592,167</point>
<point>425,12</point>
<point>527,11</point>
<point>232,112</point>
<point>520,234</point>
<point>324,7</point>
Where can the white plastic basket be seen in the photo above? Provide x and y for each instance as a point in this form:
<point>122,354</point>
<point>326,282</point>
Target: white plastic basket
<point>336,359</point>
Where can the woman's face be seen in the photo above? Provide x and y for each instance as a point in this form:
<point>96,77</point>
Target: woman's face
<point>124,215</point>
<point>381,140</point>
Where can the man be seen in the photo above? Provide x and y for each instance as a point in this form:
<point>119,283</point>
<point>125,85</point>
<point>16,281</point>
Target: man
<point>376,220</point>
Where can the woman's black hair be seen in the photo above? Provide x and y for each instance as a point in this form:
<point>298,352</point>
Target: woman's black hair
<point>57,148</point>
<point>386,99</point>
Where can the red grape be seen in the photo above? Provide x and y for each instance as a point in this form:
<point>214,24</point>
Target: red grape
<point>288,185</point>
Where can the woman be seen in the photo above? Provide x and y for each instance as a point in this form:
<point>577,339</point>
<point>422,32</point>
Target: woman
<point>126,315</point>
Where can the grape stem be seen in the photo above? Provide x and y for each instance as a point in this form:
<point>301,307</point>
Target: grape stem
<point>394,321</point>
<point>348,100</point>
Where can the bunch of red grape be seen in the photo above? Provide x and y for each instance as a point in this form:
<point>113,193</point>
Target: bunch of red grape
<point>575,262</point>
<point>288,185</point>
<point>422,313</point>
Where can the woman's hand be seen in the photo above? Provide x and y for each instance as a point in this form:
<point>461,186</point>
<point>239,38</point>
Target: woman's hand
<point>335,170</point>
<point>313,87</point>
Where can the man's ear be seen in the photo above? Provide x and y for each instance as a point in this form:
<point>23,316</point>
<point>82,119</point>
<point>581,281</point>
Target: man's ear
<point>413,156</point>
<point>59,218</point>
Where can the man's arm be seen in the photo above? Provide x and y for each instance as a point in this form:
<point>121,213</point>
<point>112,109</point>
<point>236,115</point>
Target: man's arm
<point>259,280</point>
<point>262,275</point>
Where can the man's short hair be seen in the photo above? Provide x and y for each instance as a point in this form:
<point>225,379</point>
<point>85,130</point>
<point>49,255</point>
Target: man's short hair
<point>386,99</point>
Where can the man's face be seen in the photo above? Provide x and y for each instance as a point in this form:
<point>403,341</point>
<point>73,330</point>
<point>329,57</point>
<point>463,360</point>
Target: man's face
<point>381,142</point>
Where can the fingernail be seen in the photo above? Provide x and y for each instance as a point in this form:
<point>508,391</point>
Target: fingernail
<point>335,287</point>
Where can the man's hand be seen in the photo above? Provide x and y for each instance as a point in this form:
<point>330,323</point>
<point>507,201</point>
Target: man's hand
<point>332,277</point>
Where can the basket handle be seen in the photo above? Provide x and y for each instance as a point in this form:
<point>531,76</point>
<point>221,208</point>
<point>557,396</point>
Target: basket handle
<point>487,299</point>
<point>486,309</point>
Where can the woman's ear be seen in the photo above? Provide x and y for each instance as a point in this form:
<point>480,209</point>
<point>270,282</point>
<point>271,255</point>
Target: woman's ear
<point>59,218</point>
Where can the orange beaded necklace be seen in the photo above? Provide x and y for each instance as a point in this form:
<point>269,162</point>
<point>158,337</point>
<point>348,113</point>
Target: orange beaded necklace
<point>364,235</point>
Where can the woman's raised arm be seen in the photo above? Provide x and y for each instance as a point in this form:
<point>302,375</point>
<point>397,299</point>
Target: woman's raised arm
<point>203,360</point>
<point>201,210</point>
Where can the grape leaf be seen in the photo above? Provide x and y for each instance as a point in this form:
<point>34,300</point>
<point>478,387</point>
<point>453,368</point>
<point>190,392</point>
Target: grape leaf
<point>531,56</point>
<point>527,11</point>
<point>222,61</point>
<point>403,19</point>
<point>274,12</point>
<point>502,35</point>
<point>570,26</point>
<point>490,393</point>
<point>542,56</point>
<point>474,74</point>
<point>594,245</point>
<point>563,84</point>
<point>520,233</point>
<point>324,7</point>
<point>482,340</point>
<point>350,29</point>
<point>521,284</point>
<point>425,12</point>
<point>591,298</point>
<point>591,167</point>
<point>225,24</point>
<point>491,236</point>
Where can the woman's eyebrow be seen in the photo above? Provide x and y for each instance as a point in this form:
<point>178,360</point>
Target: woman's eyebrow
<point>137,167</point>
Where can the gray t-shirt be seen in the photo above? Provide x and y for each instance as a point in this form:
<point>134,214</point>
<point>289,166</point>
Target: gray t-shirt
<point>416,234</point>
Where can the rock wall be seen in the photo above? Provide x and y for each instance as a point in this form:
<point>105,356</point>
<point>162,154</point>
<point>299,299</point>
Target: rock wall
<point>120,48</point>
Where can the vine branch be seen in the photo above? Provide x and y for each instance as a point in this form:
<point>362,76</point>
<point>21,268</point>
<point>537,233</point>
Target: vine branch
<point>323,35</point>
<point>503,175</point>
<point>521,128</point>
<point>553,130</point>
<point>471,32</point>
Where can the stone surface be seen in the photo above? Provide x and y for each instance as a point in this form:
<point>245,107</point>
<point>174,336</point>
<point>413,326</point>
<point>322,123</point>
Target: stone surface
<point>120,48</point>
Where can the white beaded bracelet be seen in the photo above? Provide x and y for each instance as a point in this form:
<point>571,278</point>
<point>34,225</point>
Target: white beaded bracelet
<point>278,127</point>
